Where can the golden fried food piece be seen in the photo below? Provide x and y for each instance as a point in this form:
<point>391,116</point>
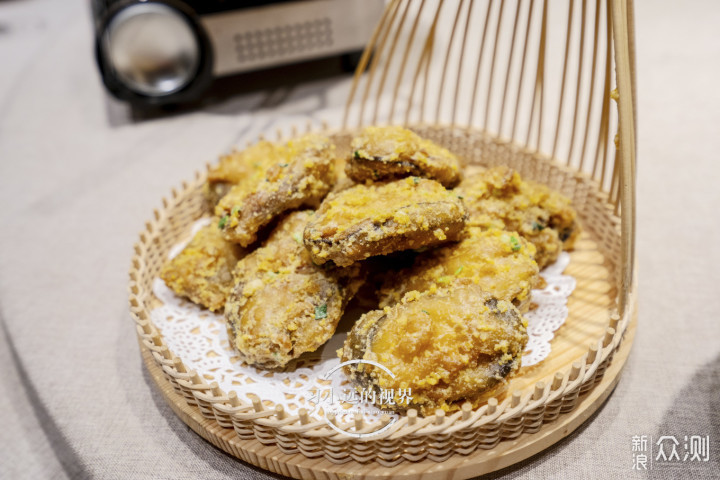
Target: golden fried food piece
<point>500,262</point>
<point>303,177</point>
<point>282,305</point>
<point>386,153</point>
<point>202,272</point>
<point>381,218</point>
<point>446,345</point>
<point>499,198</point>
<point>244,169</point>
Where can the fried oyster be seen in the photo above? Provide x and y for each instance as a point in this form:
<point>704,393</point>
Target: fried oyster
<point>302,174</point>
<point>244,169</point>
<point>500,262</point>
<point>282,305</point>
<point>499,198</point>
<point>377,219</point>
<point>447,346</point>
<point>386,153</point>
<point>202,272</point>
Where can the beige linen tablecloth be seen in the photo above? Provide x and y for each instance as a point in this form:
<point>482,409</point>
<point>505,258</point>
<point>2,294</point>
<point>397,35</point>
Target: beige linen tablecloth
<point>79,176</point>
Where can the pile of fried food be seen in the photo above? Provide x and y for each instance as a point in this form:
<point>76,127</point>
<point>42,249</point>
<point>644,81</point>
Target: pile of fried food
<point>294,231</point>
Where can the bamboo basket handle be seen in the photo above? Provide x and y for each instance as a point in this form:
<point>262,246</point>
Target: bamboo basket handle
<point>625,64</point>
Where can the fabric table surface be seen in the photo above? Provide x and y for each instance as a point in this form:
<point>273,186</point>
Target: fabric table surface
<point>80,173</point>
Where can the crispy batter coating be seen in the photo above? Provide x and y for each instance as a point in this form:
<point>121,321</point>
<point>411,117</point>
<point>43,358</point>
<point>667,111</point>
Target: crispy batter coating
<point>244,169</point>
<point>302,176</point>
<point>449,345</point>
<point>381,218</point>
<point>499,198</point>
<point>282,305</point>
<point>500,262</point>
<point>202,272</point>
<point>386,153</point>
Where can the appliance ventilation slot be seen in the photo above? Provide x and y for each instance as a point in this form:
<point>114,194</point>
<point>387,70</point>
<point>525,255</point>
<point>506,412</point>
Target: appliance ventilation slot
<point>284,40</point>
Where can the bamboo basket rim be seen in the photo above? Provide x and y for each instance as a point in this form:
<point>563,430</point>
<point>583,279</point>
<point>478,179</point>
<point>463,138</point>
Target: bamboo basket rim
<point>233,410</point>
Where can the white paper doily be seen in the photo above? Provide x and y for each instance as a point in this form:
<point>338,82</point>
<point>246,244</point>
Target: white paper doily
<point>199,338</point>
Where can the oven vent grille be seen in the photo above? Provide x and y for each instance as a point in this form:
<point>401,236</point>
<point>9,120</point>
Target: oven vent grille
<point>286,40</point>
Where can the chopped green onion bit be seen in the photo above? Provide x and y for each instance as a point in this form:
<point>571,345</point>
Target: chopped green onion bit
<point>321,311</point>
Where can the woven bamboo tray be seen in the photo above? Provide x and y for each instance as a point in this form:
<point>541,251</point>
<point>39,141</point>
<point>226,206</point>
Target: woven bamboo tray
<point>552,398</point>
<point>503,125</point>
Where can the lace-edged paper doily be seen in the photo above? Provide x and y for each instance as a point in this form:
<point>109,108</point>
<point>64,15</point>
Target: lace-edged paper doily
<point>199,338</point>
